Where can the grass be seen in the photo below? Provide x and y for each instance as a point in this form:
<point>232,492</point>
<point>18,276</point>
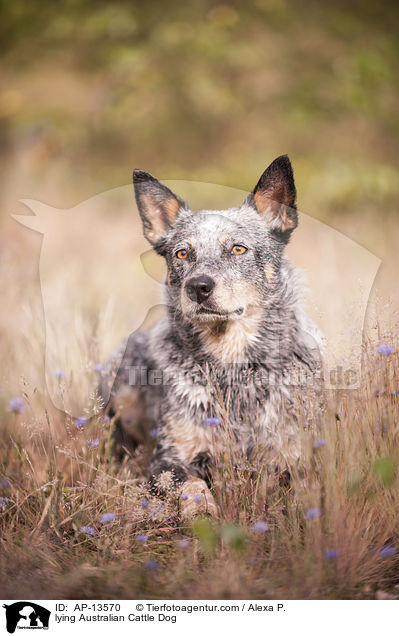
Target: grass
<point>331,533</point>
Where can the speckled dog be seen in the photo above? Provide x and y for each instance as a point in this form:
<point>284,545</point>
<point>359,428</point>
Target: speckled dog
<point>234,332</point>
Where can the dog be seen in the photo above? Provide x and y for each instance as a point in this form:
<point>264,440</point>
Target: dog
<point>234,331</point>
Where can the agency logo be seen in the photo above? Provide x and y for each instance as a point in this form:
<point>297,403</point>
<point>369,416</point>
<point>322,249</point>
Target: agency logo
<point>26,615</point>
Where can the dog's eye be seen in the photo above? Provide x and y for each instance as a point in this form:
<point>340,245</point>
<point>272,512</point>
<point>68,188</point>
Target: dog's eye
<point>182,254</point>
<point>238,250</point>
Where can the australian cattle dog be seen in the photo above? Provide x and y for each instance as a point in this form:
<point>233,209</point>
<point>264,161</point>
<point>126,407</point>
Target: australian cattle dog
<point>233,335</point>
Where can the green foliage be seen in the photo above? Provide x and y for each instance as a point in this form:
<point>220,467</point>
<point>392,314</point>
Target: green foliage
<point>385,469</point>
<point>208,90</point>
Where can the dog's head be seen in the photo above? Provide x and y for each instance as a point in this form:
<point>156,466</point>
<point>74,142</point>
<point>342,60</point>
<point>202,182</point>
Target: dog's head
<point>221,264</point>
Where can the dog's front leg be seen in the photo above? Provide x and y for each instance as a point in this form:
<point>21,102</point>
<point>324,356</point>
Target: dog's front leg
<point>195,496</point>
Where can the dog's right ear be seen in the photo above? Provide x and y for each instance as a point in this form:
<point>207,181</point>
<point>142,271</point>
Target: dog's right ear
<point>158,206</point>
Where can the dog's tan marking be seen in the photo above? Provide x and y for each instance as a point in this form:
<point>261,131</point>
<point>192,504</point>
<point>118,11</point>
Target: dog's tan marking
<point>160,215</point>
<point>272,209</point>
<point>269,272</point>
<point>190,439</point>
<point>227,341</point>
<point>171,207</point>
<point>130,406</point>
<point>228,344</point>
<point>199,499</point>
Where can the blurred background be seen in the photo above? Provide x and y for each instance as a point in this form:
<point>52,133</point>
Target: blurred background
<point>201,91</point>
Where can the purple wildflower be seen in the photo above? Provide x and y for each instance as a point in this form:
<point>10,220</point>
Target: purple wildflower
<point>385,350</point>
<point>212,421</point>
<point>88,530</point>
<point>3,503</point>
<point>331,554</point>
<point>198,498</point>
<point>184,497</point>
<point>93,443</point>
<point>151,564</point>
<point>59,374</point>
<point>388,551</point>
<point>98,367</point>
<point>260,526</point>
<point>313,513</point>
<point>17,405</point>
<point>80,422</point>
<point>141,538</point>
<point>318,443</point>
<point>145,503</point>
<point>4,483</point>
<point>154,432</point>
<point>108,517</point>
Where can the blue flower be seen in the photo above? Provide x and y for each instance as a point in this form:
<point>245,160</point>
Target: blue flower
<point>183,544</point>
<point>184,497</point>
<point>331,554</point>
<point>59,374</point>
<point>318,443</point>
<point>388,551</point>
<point>385,350</point>
<point>313,513</point>
<point>151,564</point>
<point>17,405</point>
<point>260,526</point>
<point>154,432</point>
<point>80,422</point>
<point>141,538</point>
<point>212,421</point>
<point>88,530</point>
<point>107,517</point>
<point>93,443</point>
<point>198,498</point>
<point>3,503</point>
<point>145,503</point>
<point>98,367</point>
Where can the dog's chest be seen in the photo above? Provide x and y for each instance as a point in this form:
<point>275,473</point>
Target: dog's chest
<point>242,408</point>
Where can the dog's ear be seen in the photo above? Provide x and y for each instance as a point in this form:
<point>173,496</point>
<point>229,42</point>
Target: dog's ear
<point>274,197</point>
<point>158,206</point>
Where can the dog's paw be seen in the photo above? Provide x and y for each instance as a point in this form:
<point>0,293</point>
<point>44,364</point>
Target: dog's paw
<point>196,499</point>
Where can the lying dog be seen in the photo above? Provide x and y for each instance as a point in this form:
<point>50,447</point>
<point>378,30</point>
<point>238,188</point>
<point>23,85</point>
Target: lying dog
<point>233,334</point>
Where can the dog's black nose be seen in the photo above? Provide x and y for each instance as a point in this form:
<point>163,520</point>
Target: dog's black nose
<point>200,288</point>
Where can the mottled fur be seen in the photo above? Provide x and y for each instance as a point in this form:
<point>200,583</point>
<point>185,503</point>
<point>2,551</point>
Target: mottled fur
<point>233,334</point>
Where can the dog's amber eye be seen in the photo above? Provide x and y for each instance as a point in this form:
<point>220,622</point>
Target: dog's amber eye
<point>182,254</point>
<point>238,250</point>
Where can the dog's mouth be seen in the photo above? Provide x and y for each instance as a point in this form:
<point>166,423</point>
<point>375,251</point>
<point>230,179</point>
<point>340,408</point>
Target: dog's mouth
<point>205,314</point>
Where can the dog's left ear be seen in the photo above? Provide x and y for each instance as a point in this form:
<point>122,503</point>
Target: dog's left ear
<point>158,206</point>
<point>274,197</point>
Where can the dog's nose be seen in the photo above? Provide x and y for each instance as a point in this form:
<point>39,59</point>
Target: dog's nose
<point>200,288</point>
